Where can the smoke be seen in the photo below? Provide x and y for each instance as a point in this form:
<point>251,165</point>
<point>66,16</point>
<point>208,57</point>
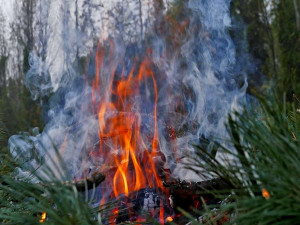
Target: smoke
<point>38,80</point>
<point>194,61</point>
<point>205,65</point>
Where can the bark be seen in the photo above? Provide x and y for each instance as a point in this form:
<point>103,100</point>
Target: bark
<point>263,9</point>
<point>297,14</point>
<point>77,27</point>
<point>141,19</point>
<point>28,9</point>
<point>85,184</point>
<point>193,187</point>
<point>89,183</point>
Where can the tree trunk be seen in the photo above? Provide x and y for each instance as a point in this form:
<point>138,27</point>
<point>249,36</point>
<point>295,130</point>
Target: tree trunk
<point>141,19</point>
<point>263,10</point>
<point>297,14</point>
<point>77,27</point>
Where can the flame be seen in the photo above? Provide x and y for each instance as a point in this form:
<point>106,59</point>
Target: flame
<point>265,193</point>
<point>43,217</point>
<point>196,201</point>
<point>161,213</point>
<point>130,156</point>
<point>113,216</point>
<point>169,219</point>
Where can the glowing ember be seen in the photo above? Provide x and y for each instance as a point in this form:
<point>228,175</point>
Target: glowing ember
<point>43,217</point>
<point>265,194</point>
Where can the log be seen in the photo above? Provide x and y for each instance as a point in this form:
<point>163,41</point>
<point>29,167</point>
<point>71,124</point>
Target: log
<point>83,184</point>
<point>89,183</point>
<point>209,185</point>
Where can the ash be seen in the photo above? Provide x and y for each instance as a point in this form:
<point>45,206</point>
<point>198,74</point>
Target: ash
<point>151,200</point>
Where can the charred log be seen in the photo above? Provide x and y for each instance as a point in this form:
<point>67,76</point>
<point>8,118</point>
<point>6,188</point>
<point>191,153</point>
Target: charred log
<point>209,185</point>
<point>188,195</point>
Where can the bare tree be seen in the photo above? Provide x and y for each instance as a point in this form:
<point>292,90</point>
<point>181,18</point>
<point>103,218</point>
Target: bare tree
<point>265,17</point>
<point>123,19</point>
<point>17,44</point>
<point>297,14</point>
<point>28,10</point>
<point>3,44</point>
<point>3,53</point>
<point>21,37</point>
<point>88,23</point>
<point>77,28</point>
<point>42,28</point>
<point>141,19</point>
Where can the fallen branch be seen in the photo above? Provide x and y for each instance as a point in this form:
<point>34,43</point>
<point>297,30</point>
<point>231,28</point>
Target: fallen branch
<point>86,183</point>
<point>89,183</point>
<point>209,185</point>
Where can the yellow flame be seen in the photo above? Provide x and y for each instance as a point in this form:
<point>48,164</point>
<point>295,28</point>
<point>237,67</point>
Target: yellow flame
<point>43,217</point>
<point>169,219</point>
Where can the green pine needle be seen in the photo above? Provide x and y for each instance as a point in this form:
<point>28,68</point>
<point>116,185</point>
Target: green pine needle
<point>263,169</point>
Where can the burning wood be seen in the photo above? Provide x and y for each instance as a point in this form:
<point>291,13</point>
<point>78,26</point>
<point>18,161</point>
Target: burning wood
<point>188,195</point>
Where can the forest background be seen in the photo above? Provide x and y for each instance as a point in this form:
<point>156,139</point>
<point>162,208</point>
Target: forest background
<point>270,31</point>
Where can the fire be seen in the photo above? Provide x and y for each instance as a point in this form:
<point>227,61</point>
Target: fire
<point>169,219</point>
<point>128,154</point>
<point>43,217</point>
<point>265,194</point>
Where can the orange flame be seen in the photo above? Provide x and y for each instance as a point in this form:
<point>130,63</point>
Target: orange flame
<point>120,122</point>
<point>265,193</point>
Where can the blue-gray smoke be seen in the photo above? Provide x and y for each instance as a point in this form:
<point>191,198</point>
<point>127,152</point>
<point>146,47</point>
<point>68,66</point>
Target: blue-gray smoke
<point>198,67</point>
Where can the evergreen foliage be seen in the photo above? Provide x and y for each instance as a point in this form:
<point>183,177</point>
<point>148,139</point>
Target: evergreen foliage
<point>262,168</point>
<point>23,200</point>
<point>288,38</point>
<point>272,34</point>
